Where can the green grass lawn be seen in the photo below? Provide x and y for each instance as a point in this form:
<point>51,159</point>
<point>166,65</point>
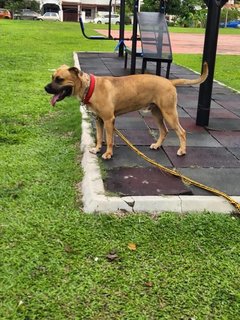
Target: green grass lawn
<point>59,263</point>
<point>225,68</point>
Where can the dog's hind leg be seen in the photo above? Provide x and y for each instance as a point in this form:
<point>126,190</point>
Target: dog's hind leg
<point>157,114</point>
<point>173,121</point>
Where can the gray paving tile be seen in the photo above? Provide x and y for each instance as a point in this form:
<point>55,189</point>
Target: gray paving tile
<point>224,179</point>
<point>187,90</point>
<point>222,113</point>
<point>129,123</point>
<point>235,151</point>
<point>224,94</point>
<point>194,139</point>
<point>182,113</point>
<point>204,157</point>
<point>125,157</point>
<point>233,106</point>
<point>229,139</point>
<point>119,72</point>
<point>224,124</point>
<point>150,122</point>
<point>137,137</point>
<point>189,124</point>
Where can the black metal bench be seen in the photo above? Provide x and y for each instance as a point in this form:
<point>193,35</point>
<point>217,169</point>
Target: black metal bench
<point>128,51</point>
<point>155,41</point>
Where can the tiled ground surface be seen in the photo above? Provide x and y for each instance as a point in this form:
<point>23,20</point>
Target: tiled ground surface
<point>213,154</point>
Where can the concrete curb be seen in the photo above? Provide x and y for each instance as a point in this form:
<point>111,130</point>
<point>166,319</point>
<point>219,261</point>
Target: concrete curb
<point>95,199</point>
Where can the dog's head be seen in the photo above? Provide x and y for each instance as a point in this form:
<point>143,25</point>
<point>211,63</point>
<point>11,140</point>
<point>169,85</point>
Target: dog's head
<point>63,83</point>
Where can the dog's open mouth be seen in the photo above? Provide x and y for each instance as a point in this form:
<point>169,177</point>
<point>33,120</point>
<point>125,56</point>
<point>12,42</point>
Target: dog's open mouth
<point>65,92</point>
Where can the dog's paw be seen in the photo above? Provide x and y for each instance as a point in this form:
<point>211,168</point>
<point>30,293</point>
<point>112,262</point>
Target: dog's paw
<point>94,150</point>
<point>181,152</point>
<point>107,156</point>
<point>154,146</point>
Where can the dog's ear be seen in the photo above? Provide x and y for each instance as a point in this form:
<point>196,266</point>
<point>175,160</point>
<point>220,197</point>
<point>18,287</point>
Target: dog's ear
<point>75,71</point>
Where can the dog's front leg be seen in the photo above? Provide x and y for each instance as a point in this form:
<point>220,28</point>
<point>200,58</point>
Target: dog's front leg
<point>99,136</point>
<point>109,125</point>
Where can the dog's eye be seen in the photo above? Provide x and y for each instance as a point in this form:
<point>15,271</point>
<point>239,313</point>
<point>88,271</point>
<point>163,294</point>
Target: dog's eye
<point>59,79</point>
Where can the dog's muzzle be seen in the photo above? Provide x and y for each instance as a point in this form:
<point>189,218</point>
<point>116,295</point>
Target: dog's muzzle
<point>58,93</point>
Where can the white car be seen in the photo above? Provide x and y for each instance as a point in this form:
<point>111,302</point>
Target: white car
<point>49,16</point>
<point>115,19</point>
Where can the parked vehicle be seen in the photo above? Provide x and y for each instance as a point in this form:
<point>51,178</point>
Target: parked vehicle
<point>26,14</point>
<point>115,19</point>
<point>231,24</point>
<point>49,16</point>
<point>5,14</point>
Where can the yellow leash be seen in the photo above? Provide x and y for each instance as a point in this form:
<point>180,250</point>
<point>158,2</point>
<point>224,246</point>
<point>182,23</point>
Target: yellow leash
<point>178,174</point>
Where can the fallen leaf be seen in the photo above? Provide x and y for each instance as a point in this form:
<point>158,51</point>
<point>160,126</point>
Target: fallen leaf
<point>68,249</point>
<point>112,256</point>
<point>148,284</point>
<point>132,246</point>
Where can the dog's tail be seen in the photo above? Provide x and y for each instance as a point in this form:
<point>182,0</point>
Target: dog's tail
<point>202,78</point>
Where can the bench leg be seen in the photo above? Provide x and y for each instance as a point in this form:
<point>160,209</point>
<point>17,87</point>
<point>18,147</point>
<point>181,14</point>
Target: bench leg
<point>168,69</point>
<point>144,65</point>
<point>125,60</point>
<point>158,69</point>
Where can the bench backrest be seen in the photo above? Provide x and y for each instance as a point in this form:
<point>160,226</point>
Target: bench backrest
<point>154,35</point>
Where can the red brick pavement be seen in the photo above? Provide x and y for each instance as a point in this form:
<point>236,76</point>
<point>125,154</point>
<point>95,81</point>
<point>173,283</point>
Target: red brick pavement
<point>193,43</point>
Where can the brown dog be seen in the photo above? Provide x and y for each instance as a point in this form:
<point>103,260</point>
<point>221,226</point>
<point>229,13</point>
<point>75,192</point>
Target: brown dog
<point>109,97</point>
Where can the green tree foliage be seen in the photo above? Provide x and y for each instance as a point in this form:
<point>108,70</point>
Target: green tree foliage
<point>150,6</point>
<point>192,13</point>
<point>173,7</point>
<point>15,5</point>
<point>129,6</point>
<point>229,14</point>
<point>189,12</point>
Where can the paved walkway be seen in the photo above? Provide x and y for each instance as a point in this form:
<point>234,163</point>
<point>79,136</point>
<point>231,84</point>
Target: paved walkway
<point>192,43</point>
<point>213,154</point>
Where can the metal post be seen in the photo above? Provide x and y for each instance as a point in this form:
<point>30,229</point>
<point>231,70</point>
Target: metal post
<point>121,28</point>
<point>209,55</point>
<point>134,37</point>
<point>162,6</point>
<point>109,18</point>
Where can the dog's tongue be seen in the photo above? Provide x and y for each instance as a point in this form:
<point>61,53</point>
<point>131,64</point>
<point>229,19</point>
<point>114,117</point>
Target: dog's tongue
<point>54,99</point>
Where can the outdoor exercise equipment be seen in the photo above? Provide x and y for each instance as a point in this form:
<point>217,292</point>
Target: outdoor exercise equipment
<point>148,27</point>
<point>146,54</point>
<point>109,36</point>
<point>209,55</point>
<point>155,40</point>
<point>109,27</point>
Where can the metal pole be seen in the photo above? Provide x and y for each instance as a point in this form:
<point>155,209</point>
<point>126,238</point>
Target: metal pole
<point>162,6</point>
<point>209,55</point>
<point>109,18</point>
<point>134,37</point>
<point>121,28</point>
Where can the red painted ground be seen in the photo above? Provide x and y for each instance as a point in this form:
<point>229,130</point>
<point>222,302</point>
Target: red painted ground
<point>193,43</point>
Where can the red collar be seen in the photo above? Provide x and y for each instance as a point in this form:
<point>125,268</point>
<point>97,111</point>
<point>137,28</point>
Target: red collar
<point>90,89</point>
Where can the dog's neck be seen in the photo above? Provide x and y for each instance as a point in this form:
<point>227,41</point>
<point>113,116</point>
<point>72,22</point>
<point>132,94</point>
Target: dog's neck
<point>84,86</point>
